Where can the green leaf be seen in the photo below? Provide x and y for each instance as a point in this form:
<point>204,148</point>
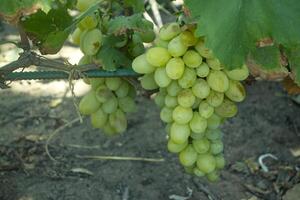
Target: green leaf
<point>267,57</point>
<point>10,7</point>
<point>121,24</point>
<point>136,5</point>
<point>232,27</point>
<point>294,62</point>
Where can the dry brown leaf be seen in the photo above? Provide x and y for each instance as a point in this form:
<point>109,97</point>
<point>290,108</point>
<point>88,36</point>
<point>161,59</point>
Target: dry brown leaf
<point>290,86</point>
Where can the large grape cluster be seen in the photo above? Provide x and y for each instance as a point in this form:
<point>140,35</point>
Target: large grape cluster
<point>196,94</point>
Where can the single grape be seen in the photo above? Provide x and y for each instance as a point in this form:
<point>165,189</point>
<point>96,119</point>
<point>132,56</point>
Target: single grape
<point>213,134</point>
<point>141,66</point>
<point>99,118</point>
<point>148,82</point>
<point>161,77</point>
<point>202,70</point>
<point>85,60</point>
<point>198,124</point>
<point>197,103</point>
<point>189,169</point>
<point>216,147</point>
<point>103,94</point>
<point>197,136</point>
<point>201,145</point>
<point>176,48</point>
<point>176,148</point>
<point>202,50</point>
<point>110,106</point>
<point>123,90</point>
<point>166,114</point>
<point>76,36</point>
<point>91,41</point>
<point>127,104</point>
<point>170,101</point>
<point>89,104</point>
<point>182,115</point>
<point>109,130</point>
<point>205,110</point>
<point>113,83</point>
<point>214,121</point>
<point>186,98</point>
<point>89,22</point>
<point>201,88</point>
<point>236,91</point>
<point>238,74</point>
<point>218,81</point>
<point>188,78</point>
<point>206,163</point>
<point>96,82</point>
<point>188,156</point>
<point>226,109</point>
<point>213,176</point>
<point>173,88</point>
<point>214,63</point>
<point>118,120</point>
<point>179,133</point>
<point>192,59</point>
<point>220,161</point>
<point>215,98</point>
<point>188,38</point>
<point>159,99</point>
<point>158,56</point>
<point>198,173</point>
<point>175,68</point>
<point>169,31</point>
<point>161,43</point>
<point>147,36</point>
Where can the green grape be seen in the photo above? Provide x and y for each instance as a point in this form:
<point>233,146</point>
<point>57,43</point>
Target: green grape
<point>110,106</point>
<point>76,36</point>
<point>206,163</point>
<point>214,63</point>
<point>188,38</point>
<point>123,90</point>
<point>214,134</point>
<point>85,60</point>
<point>198,173</point>
<point>176,48</point>
<point>118,120</point>
<point>186,98</point>
<point>201,145</point>
<point>83,5</point>
<point>122,41</point>
<point>192,59</point>
<point>169,31</point>
<point>236,91</point>
<point>170,101</point>
<point>218,81</point>
<point>202,70</point>
<point>188,78</point>
<point>197,136</point>
<point>238,74</point>
<point>166,114</point>
<point>159,99</point>
<point>201,89</point>
<point>147,36</point>
<point>175,68</point>
<point>136,49</point>
<point>173,88</point>
<point>103,94</point>
<point>127,104</point>
<point>99,118</point>
<point>158,56</point>
<point>141,66</point>
<point>220,161</point>
<point>202,50</point>
<point>89,22</point>
<point>89,104</point>
<point>215,98</point>
<point>182,115</point>
<point>96,82</point>
<point>205,110</point>
<point>176,148</point>
<point>213,176</point>
<point>197,103</point>
<point>161,77</point>
<point>109,130</point>
<point>113,83</point>
<point>132,91</point>
<point>226,109</point>
<point>189,169</point>
<point>148,82</point>
<point>198,124</point>
<point>91,41</point>
<point>216,147</point>
<point>168,128</point>
<point>188,156</point>
<point>179,133</point>
<point>214,121</point>
<point>161,43</point>
<point>148,24</point>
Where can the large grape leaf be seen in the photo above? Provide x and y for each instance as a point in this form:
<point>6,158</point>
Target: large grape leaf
<point>232,27</point>
<point>294,62</point>
<point>136,5</point>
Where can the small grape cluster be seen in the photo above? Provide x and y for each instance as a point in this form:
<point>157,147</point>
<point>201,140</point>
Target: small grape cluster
<point>196,94</point>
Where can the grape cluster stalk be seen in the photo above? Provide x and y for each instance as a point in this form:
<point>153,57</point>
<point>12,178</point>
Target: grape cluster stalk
<point>196,95</point>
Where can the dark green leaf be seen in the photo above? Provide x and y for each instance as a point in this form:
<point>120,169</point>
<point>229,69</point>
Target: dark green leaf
<point>136,5</point>
<point>10,7</point>
<point>268,57</point>
<point>294,62</point>
<point>122,24</point>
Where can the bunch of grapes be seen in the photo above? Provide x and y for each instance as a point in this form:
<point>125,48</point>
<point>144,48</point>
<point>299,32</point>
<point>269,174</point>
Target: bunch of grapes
<point>196,94</point>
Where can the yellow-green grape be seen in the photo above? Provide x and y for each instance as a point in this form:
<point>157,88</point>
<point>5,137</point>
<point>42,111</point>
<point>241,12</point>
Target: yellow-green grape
<point>103,94</point>
<point>189,169</point>
<point>220,161</point>
<point>170,101</point>
<point>206,163</point>
<point>226,109</point>
<point>202,70</point>
<point>216,147</point>
<point>113,83</point>
<point>85,60</point>
<point>89,22</point>
<point>99,118</point>
<point>169,31</point>
<point>118,120</point>
<point>176,148</point>
<point>110,106</point>
<point>192,59</point>
<point>175,68</point>
<point>238,74</point>
<point>83,5</point>
<point>214,134</point>
<point>161,43</point>
<point>158,56</point>
<point>147,36</point>
<point>109,130</point>
<point>213,176</point>
<point>202,50</point>
<point>173,88</point>
<point>198,173</point>
<point>218,81</point>
<point>148,82</point>
<point>214,63</point>
<point>159,99</point>
<point>182,115</point>
<point>214,121</point>
<point>96,82</point>
<point>76,36</point>
<point>201,88</point>
<point>123,90</point>
<point>186,98</point>
<point>161,77</point>
<point>127,104</point>
<point>205,110</point>
<point>179,133</point>
<point>176,48</point>
<point>236,91</point>
<point>166,114</point>
<point>141,66</point>
<point>132,91</point>
<point>215,98</point>
<point>196,103</point>
<point>201,145</point>
<point>188,38</point>
<point>188,78</point>
<point>197,136</point>
<point>188,156</point>
<point>89,104</point>
<point>198,124</point>
<point>91,41</point>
